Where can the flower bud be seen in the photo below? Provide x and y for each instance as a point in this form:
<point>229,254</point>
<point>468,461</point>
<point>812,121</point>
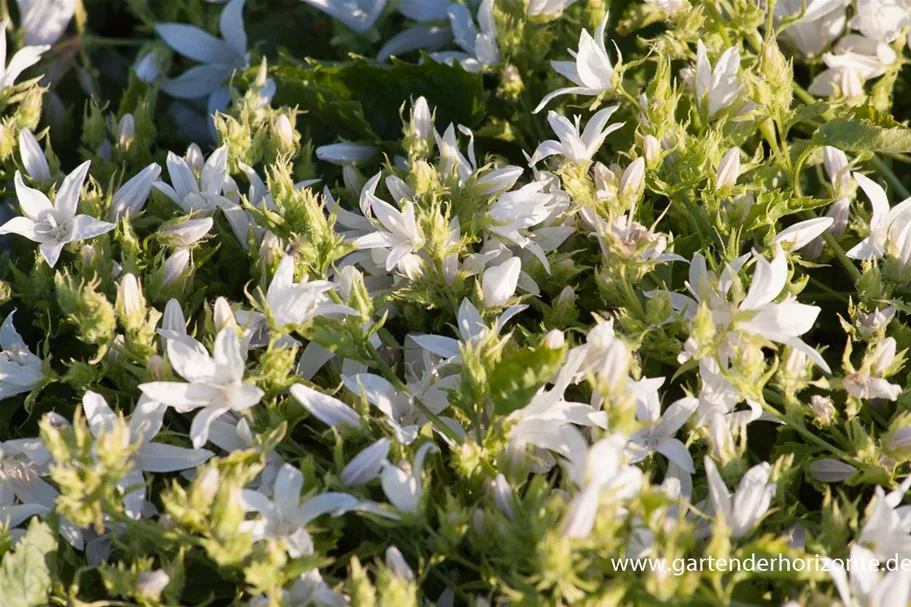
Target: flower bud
<point>126,132</point>
<point>223,315</point>
<point>884,356</point>
<point>284,137</point>
<point>399,189</point>
<point>131,196</point>
<point>175,267</point>
<point>130,304</point>
<point>187,232</point>
<point>836,164</point>
<point>398,565</point>
<point>868,324</point>
<point>615,365</point>
<point>651,148</point>
<point>554,339</point>
<point>353,179</point>
<point>366,465</point>
<point>839,213</point>
<point>823,410</point>
<point>33,158</point>
<point>829,470</point>
<point>147,68</point>
<point>728,169</point>
<point>633,179</point>
<point>421,120</point>
<point>7,141</point>
<point>150,584</point>
<point>503,496</point>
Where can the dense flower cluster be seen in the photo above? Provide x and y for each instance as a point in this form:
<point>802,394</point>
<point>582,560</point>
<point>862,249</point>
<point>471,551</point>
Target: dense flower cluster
<point>454,302</point>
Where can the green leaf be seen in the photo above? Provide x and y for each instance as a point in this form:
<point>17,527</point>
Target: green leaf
<point>865,129</point>
<point>360,100</point>
<point>519,374</point>
<point>25,573</point>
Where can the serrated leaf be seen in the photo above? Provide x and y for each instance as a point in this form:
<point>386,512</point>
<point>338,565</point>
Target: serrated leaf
<point>865,129</point>
<point>25,573</point>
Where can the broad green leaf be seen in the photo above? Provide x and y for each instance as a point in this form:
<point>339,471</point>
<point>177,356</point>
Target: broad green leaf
<point>865,129</point>
<point>25,573</point>
<point>361,100</point>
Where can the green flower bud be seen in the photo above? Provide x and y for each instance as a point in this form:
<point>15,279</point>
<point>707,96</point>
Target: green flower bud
<point>87,309</point>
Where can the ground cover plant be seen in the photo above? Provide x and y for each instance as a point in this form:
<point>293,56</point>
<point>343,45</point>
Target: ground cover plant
<point>430,302</point>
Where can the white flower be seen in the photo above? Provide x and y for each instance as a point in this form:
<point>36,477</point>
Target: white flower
<point>366,465</point>
<point>397,237</point>
<point>25,58</point>
<point>802,233</point>
<point>573,145</point>
<point>548,8</point>
<point>758,313</point>
<point>402,414</point>
<point>868,586</point>
<point>866,387</point>
<point>828,470</point>
<point>295,303</point>
<point>822,22</point>
<point>214,384</point>
<point>728,169</point>
<point>231,434</point>
<point>20,370</point>
<point>22,464</point>
<point>853,61</point>
<point>881,20</point>
<point>403,489</point>
<point>472,330</point>
<point>219,57</point>
<point>659,434</point>
<point>515,213</point>
<point>285,516</point>
<point>144,424</point>
<point>539,423</point>
<point>325,408</point>
<point>44,21</point>
<point>396,563</point>
<point>716,88</point>
<point>888,524</point>
<point>884,222</point>
<point>596,470</point>
<point>33,158</point>
<point>742,511</point>
<point>309,589</point>
<point>591,72</point>
<point>150,584</point>
<point>345,153</point>
<point>480,47</point>
<point>131,196</point>
<point>197,188</point>
<point>499,282</point>
<point>55,225</point>
<point>359,15</point>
